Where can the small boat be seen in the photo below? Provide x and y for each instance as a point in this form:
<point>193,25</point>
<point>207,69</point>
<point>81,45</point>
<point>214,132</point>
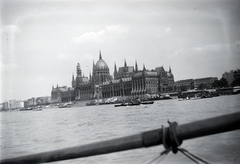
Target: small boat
<point>118,105</point>
<point>37,109</point>
<point>192,98</point>
<point>133,104</point>
<point>66,105</point>
<point>165,97</point>
<point>26,109</point>
<point>147,102</point>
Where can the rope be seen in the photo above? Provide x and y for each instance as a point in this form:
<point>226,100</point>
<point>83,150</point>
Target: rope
<point>171,142</point>
<point>175,141</point>
<point>184,151</point>
<point>159,158</point>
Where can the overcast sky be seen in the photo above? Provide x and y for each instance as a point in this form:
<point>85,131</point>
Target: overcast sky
<point>43,40</point>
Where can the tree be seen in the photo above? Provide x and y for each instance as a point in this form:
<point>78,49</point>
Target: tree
<point>201,86</point>
<point>215,84</point>
<point>183,88</point>
<point>170,88</point>
<point>223,82</point>
<point>192,85</point>
<point>220,83</point>
<point>236,82</point>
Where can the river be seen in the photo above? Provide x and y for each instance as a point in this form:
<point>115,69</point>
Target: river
<point>28,132</point>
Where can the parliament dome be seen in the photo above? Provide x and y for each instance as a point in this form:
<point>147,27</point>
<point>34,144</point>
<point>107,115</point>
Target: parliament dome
<point>101,64</point>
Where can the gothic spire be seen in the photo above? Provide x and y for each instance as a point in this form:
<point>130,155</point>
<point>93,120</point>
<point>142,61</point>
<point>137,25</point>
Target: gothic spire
<point>90,76</point>
<point>115,67</point>
<point>100,55</point>
<point>79,71</point>
<point>136,66</point>
<point>170,70</point>
<point>93,65</point>
<point>125,63</point>
<point>144,69</point>
<point>72,77</point>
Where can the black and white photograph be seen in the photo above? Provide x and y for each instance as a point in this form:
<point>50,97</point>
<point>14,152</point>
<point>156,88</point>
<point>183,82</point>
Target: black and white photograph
<point>120,81</point>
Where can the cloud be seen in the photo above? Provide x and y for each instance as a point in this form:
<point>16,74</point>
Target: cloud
<point>168,30</point>
<point>208,49</point>
<point>62,56</point>
<point>11,29</point>
<point>41,80</point>
<point>109,33</point>
<point>90,36</point>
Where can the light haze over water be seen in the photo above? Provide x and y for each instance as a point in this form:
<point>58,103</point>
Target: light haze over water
<point>28,132</point>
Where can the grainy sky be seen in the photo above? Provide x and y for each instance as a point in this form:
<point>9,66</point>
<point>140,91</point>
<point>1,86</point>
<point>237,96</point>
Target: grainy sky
<point>43,40</point>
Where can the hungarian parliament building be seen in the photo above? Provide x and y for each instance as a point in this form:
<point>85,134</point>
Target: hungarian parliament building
<point>126,81</point>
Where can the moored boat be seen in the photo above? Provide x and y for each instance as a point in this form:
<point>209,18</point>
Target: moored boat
<point>118,105</point>
<point>37,109</point>
<point>147,102</point>
<point>191,98</point>
<point>26,109</point>
<point>66,105</point>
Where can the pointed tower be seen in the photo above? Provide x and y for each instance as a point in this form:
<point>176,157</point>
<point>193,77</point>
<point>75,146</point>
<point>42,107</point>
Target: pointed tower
<point>79,75</point>
<point>115,68</point>
<point>90,77</point>
<point>125,63</point>
<point>93,65</point>
<point>144,69</point>
<point>115,73</point>
<point>100,55</point>
<point>73,81</point>
<point>79,71</point>
<point>136,66</point>
<point>170,70</point>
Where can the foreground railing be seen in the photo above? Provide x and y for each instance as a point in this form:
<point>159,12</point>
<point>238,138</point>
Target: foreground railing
<point>200,128</point>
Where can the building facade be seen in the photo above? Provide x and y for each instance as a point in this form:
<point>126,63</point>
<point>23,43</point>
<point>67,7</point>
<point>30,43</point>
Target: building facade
<point>189,84</point>
<point>62,94</point>
<point>13,104</point>
<point>127,81</point>
<point>231,76</point>
<point>43,100</point>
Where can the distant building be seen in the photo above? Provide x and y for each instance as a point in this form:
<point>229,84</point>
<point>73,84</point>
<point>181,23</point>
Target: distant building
<point>123,72</point>
<point>166,79</point>
<point>13,104</point>
<point>62,94</point>
<point>43,100</point>
<point>231,76</point>
<point>30,102</point>
<point>127,81</point>
<point>206,82</point>
<point>145,82</point>
<point>188,84</point>
<point>184,85</point>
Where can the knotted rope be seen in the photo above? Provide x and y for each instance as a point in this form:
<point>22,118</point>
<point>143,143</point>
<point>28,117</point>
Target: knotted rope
<point>172,142</point>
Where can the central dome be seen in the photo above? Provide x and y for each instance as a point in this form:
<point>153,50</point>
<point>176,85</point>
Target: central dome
<point>101,64</point>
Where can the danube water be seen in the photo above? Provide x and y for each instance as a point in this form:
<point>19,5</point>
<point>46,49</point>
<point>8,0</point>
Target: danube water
<point>28,132</point>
